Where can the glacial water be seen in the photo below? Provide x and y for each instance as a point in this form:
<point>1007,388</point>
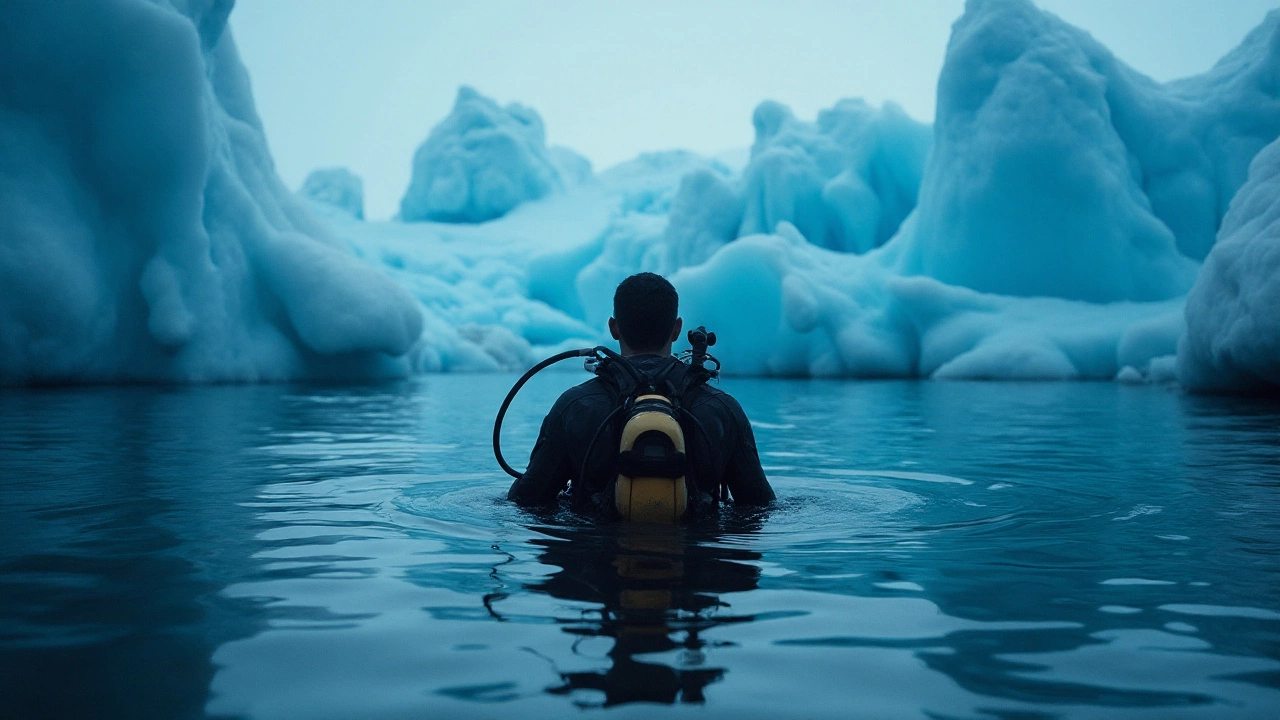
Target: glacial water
<point>938,550</point>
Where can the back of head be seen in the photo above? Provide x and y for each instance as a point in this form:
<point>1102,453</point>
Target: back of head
<point>645,306</point>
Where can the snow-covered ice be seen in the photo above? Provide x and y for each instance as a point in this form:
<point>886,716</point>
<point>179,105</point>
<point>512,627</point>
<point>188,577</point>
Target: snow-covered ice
<point>1057,170</point>
<point>483,160</point>
<point>1047,226</point>
<point>144,234</point>
<point>337,187</point>
<point>845,181</point>
<point>1233,313</point>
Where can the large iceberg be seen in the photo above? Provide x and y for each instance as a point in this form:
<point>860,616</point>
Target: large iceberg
<point>144,234</point>
<point>846,181</point>
<point>784,307</point>
<point>335,187</point>
<point>1062,212</point>
<point>1061,215</point>
<point>1057,170</point>
<point>1232,341</point>
<point>483,160</point>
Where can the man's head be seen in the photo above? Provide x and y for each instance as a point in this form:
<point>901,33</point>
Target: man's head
<point>645,309</point>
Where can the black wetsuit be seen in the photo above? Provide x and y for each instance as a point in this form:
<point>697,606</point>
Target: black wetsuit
<point>730,460</point>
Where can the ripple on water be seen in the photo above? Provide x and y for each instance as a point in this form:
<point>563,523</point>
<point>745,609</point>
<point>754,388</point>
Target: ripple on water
<point>463,505</point>
<point>889,507</point>
<point>1040,550</point>
<point>858,507</point>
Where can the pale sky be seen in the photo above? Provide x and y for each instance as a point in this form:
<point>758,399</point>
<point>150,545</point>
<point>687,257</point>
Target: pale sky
<point>360,83</point>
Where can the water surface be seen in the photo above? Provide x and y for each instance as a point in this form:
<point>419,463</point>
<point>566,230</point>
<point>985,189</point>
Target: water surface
<point>938,550</point>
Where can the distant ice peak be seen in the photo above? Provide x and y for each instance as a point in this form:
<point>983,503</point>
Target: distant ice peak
<point>483,160</point>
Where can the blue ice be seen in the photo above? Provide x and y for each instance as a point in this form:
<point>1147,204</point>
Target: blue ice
<point>1064,217</point>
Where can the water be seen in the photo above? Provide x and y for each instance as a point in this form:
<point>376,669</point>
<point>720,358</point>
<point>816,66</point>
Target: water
<point>939,550</point>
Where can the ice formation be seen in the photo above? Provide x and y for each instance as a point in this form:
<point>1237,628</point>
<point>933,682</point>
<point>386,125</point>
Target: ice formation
<point>1232,341</point>
<point>482,161</point>
<point>1061,215</point>
<point>783,307</point>
<point>144,234</point>
<point>1047,226</point>
<point>706,213</point>
<point>336,187</point>
<point>1057,170</point>
<point>846,181</point>
<point>676,208</point>
<point>572,167</point>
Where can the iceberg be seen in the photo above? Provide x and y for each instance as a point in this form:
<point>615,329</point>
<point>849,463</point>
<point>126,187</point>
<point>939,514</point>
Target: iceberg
<point>1052,163</point>
<point>1062,212</point>
<point>335,187</point>
<point>846,181</point>
<point>483,160</point>
<point>1057,170</point>
<point>1061,215</point>
<point>784,307</point>
<point>706,213</point>
<point>144,234</point>
<point>1232,342</point>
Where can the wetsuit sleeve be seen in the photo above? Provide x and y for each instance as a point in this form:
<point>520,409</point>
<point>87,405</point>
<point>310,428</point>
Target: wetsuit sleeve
<point>743,474</point>
<point>549,471</point>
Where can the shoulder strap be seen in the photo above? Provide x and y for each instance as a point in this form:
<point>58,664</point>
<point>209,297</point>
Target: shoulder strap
<point>693,378</point>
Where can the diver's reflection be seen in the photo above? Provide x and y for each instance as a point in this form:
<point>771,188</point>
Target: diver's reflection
<point>658,588</point>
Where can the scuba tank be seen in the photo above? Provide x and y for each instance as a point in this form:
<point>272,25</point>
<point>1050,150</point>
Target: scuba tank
<point>650,486</point>
<point>651,481</point>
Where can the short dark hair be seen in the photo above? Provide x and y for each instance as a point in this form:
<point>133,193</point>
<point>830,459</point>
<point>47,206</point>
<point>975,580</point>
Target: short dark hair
<point>645,306</point>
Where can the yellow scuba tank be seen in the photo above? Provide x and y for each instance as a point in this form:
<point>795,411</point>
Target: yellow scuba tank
<point>651,463</point>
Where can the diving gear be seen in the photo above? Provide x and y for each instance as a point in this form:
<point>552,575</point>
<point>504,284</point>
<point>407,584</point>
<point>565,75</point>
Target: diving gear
<point>651,480</point>
<point>502,411</point>
<point>650,486</point>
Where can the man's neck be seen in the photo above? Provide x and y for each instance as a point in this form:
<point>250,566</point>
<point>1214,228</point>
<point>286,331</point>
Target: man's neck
<point>660,352</point>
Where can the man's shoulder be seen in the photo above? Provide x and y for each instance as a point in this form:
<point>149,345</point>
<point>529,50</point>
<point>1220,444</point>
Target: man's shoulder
<point>713,397</point>
<point>592,390</point>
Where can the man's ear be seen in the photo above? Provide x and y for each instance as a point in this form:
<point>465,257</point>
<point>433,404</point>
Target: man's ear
<point>675,331</point>
<point>613,329</point>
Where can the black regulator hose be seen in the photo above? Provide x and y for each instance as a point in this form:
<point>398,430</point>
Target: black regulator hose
<point>502,412</point>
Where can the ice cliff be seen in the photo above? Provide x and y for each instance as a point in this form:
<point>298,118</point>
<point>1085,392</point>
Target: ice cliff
<point>144,234</point>
<point>846,181</point>
<point>1059,171</point>
<point>1233,313</point>
<point>1061,216</point>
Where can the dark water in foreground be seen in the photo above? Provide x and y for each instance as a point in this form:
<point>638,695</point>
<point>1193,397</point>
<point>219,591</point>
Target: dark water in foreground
<point>940,550</point>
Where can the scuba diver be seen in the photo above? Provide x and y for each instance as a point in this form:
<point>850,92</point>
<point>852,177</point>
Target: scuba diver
<point>646,439</point>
